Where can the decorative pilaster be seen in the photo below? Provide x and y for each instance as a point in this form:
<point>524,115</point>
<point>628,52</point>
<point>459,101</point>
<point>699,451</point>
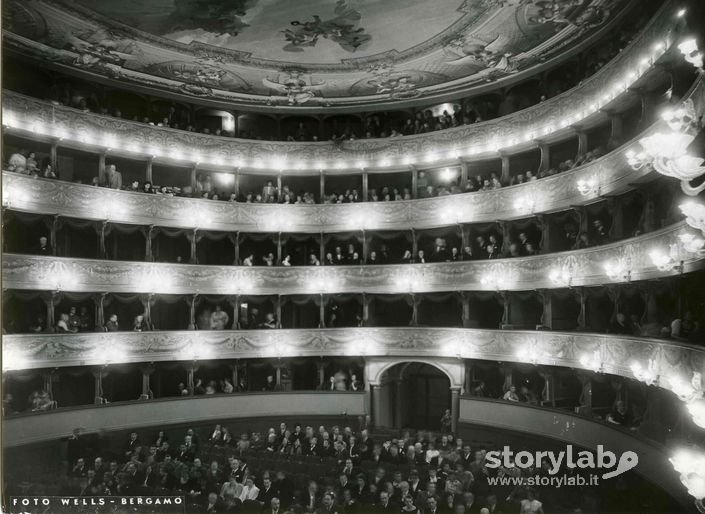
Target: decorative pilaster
<point>193,239</point>
<point>454,408</point>
<point>99,373</point>
<point>147,371</point>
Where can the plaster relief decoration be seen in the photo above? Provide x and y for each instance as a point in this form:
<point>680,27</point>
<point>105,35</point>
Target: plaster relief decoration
<point>342,28</point>
<point>293,83</point>
<point>342,51</point>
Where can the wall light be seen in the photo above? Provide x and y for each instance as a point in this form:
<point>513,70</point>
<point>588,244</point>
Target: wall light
<point>696,408</point>
<point>690,464</point>
<point>689,49</point>
<point>618,270</point>
<point>593,362</point>
<point>648,375</point>
<point>666,261</point>
<point>195,350</point>
<point>525,204</point>
<point>589,186</point>
<point>692,244</point>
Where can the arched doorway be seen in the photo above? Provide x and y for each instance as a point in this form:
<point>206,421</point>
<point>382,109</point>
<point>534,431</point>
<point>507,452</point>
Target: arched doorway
<point>414,395</point>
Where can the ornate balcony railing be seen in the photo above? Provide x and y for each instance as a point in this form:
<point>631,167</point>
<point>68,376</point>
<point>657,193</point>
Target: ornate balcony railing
<point>617,353</point>
<point>521,128</point>
<point>611,174</point>
<point>585,267</point>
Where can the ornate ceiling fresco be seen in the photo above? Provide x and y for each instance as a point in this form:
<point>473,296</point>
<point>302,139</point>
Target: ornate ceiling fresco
<point>308,52</point>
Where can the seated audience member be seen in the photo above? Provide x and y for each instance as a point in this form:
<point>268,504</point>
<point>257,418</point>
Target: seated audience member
<point>62,326</point>
<point>18,162</point>
<point>113,178</point>
<point>140,324</point>
<point>43,247</point>
<point>511,395</point>
<point>620,415</point>
<point>219,319</point>
<point>112,324</point>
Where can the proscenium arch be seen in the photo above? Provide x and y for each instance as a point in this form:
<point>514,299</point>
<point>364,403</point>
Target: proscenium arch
<point>454,369</point>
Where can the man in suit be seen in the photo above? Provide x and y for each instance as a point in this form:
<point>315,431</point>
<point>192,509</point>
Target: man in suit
<point>343,484</point>
<point>327,505</point>
<point>493,505</point>
<point>113,178</point>
<point>384,504</point>
<point>132,443</point>
<point>267,492</point>
<point>274,506</point>
<point>212,504</point>
<point>311,500</point>
<point>415,485</point>
<point>431,506</point>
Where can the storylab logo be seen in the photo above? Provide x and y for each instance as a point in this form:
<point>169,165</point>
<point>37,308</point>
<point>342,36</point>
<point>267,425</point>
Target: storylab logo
<point>602,460</point>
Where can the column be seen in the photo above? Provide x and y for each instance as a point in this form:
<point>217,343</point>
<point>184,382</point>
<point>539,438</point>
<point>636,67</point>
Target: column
<point>366,300</point>
<point>616,126</point>
<point>52,234</point>
<point>414,310</point>
<point>364,247</point>
<point>279,183</point>
<point>464,236</point>
<point>454,408</point>
<point>322,249</point>
<point>585,408</point>
<point>149,236</point>
<point>463,175</point>
<point>237,181</point>
<point>194,170</point>
<point>547,312</point>
<point>99,302</point>
<point>545,156</point>
<point>102,253</point>
<point>506,305</point>
<point>278,308</point>
<point>414,182</point>
<point>193,239</point>
<point>321,186</point>
<point>234,301</point>
<point>581,296</point>
<point>148,170</point>
<point>191,368</point>
<point>467,382</point>
<point>465,297</point>
<point>506,237</point>
<point>48,379</point>
<point>98,374</point>
<point>321,370</point>
<point>582,216</point>
<point>54,158</point>
<point>582,141</point>
<point>545,227</point>
<point>507,371</point>
<point>147,371</point>
<point>414,244</point>
<point>365,185</point>
<point>321,312</point>
<point>376,400</point>
<point>193,302</point>
<point>614,292</point>
<point>505,177</point>
<point>279,247</point>
<point>615,207</point>
<point>548,395</point>
<point>101,169</point>
<point>235,370</point>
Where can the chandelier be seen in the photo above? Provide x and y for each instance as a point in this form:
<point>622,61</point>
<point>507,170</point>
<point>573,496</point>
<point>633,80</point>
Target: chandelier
<point>694,214</point>
<point>666,152</point>
<point>696,408</point>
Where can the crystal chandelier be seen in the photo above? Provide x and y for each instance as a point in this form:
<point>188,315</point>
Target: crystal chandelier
<point>696,408</point>
<point>561,276</point>
<point>694,214</point>
<point>666,152</point>
<point>667,261</point>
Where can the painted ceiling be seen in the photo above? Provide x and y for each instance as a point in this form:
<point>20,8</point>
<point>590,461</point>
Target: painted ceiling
<point>304,52</point>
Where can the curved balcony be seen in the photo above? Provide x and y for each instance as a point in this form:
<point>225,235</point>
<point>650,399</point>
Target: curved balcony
<point>586,268</point>
<point>578,431</point>
<point>559,115</point>
<point>617,353</point>
<point>611,174</point>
